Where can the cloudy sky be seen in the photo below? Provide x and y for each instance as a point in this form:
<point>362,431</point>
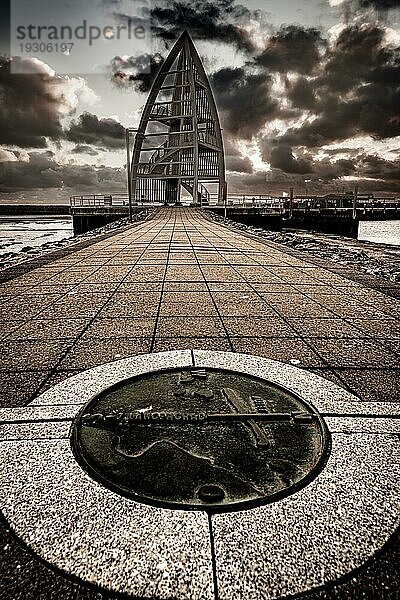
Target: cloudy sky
<point>308,92</point>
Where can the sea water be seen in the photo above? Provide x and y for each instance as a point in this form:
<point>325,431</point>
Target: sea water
<point>25,232</point>
<point>380,232</point>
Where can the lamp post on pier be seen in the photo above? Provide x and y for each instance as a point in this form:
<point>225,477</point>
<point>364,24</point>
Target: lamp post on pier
<point>128,131</point>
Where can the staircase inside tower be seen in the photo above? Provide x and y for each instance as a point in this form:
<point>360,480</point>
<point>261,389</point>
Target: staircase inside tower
<point>203,195</point>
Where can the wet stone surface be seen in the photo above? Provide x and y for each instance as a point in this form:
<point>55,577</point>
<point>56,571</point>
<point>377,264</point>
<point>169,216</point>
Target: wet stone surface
<point>197,438</point>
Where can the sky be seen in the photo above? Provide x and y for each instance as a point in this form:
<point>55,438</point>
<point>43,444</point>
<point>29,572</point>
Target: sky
<point>308,92</point>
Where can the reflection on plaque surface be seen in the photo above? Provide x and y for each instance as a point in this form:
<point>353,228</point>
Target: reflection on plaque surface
<point>196,438</point>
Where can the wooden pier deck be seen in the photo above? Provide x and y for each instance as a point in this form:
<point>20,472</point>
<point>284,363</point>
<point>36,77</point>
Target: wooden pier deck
<point>179,281</point>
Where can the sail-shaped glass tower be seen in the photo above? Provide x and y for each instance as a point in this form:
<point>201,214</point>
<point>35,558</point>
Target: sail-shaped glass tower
<point>178,144</point>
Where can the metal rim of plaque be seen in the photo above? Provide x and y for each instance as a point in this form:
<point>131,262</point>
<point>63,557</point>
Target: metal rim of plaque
<point>200,439</point>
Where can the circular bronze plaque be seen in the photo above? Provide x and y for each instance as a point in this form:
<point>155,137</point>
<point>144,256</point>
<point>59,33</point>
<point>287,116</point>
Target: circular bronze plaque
<point>196,438</point>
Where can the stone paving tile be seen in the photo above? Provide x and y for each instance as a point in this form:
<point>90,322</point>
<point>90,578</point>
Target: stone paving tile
<point>188,343</point>
<point>5,296</point>
<point>122,327</point>
<point>71,276</point>
<point>378,327</point>
<point>187,304</point>
<point>46,289</point>
<point>89,351</point>
<point>393,345</point>
<point>221,286</point>
<point>373,385</point>
<point>347,307</point>
<point>175,259</point>
<point>352,352</point>
<point>96,288</point>
<point>79,305</point>
<point>210,258</point>
<point>258,326</point>
<point>31,278</point>
<point>312,290</point>
<point>123,304</point>
<point>253,274</point>
<point>232,304</point>
<point>289,350</point>
<point>183,273</point>
<point>48,329</point>
<point>7,327</point>
<point>296,305</point>
<point>133,287</point>
<point>189,327</point>
<point>13,287</point>
<point>327,327</point>
<point>239,260</point>
<point>225,274</point>
<point>185,286</point>
<point>31,354</point>
<point>57,377</point>
<point>374,297</point>
<point>275,288</point>
<point>108,274</point>
<point>18,387</point>
<point>326,373</point>
<point>289,275</point>
<point>144,273</point>
<point>26,306</point>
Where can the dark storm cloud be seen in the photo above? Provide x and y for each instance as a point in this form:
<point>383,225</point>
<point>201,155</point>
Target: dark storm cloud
<point>244,99</point>
<point>220,20</point>
<point>89,129</point>
<point>337,121</point>
<point>342,150</point>
<point>328,170</point>
<point>42,172</point>
<point>301,93</point>
<point>357,53</point>
<point>356,94</point>
<point>30,107</point>
<point>217,20</point>
<point>254,183</point>
<point>138,71</point>
<point>379,168</point>
<point>281,157</point>
<point>239,164</point>
<point>234,159</point>
<point>293,48</point>
<point>379,4</point>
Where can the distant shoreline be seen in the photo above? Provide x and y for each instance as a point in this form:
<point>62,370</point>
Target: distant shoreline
<point>16,210</point>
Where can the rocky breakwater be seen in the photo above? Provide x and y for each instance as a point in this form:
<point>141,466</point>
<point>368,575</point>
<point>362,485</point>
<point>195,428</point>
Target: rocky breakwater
<point>381,260</point>
<point>28,252</point>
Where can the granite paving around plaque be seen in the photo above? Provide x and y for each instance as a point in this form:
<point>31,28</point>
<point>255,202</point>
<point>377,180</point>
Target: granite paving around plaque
<point>177,473</point>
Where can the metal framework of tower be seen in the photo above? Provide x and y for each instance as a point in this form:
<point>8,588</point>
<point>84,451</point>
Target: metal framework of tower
<point>178,143</point>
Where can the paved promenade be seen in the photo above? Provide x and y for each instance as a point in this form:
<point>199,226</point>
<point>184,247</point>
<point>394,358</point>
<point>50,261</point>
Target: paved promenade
<point>180,281</point>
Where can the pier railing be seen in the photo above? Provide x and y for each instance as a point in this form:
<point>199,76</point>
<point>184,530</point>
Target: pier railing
<point>277,205</point>
<point>99,200</point>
